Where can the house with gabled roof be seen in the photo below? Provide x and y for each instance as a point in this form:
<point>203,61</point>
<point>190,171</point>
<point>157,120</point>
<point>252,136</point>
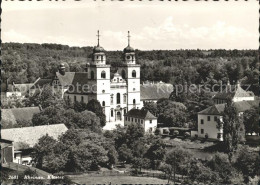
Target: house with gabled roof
<point>235,92</point>
<point>143,117</point>
<point>29,136</point>
<point>11,116</point>
<point>208,118</point>
<point>150,92</point>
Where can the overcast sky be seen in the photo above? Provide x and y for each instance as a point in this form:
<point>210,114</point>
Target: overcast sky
<point>153,25</point>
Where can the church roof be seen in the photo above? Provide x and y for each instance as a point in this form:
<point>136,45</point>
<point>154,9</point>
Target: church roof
<point>31,135</point>
<point>155,91</point>
<point>12,115</point>
<point>98,49</point>
<point>66,79</point>
<point>40,82</point>
<point>140,113</point>
<point>80,81</point>
<point>217,109</point>
<point>232,91</point>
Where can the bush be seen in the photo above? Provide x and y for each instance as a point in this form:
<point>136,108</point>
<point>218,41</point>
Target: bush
<point>157,131</point>
<point>166,131</point>
<point>186,134</point>
<point>176,132</point>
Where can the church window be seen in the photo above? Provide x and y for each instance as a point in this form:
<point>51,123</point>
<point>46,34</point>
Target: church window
<point>124,111</point>
<point>132,59</point>
<point>142,121</point>
<point>103,91</point>
<point>124,98</point>
<point>92,75</point>
<point>132,119</point>
<point>68,97</point>
<point>103,74</point>
<point>128,57</point>
<point>111,100</point>
<point>133,89</point>
<point>123,74</point>
<point>134,101</point>
<point>117,79</point>
<point>75,98</point>
<point>112,113</point>
<point>82,99</point>
<point>103,103</point>
<point>134,73</point>
<point>101,58</point>
<point>151,121</point>
<point>118,98</point>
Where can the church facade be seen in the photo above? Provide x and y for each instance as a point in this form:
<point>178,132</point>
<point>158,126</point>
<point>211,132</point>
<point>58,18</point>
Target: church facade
<point>117,95</point>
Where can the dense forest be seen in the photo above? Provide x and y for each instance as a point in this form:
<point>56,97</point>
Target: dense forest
<point>24,63</point>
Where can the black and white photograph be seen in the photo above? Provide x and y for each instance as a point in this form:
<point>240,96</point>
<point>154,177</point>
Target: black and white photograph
<point>130,92</point>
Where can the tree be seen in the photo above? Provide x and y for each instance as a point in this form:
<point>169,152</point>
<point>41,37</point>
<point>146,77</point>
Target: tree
<point>156,152</point>
<point>178,159</point>
<point>151,107</point>
<point>231,125</point>
<point>220,163</point>
<point>94,106</point>
<point>200,173</point>
<point>251,120</point>
<point>45,146</point>
<point>248,163</point>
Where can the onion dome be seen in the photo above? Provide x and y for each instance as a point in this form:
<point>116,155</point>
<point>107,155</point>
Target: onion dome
<point>129,49</point>
<point>98,49</point>
<point>62,66</point>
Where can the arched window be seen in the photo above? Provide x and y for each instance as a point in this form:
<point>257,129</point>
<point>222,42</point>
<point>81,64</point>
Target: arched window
<point>134,101</point>
<point>134,73</point>
<point>111,100</point>
<point>101,58</point>
<point>112,113</point>
<point>92,75</point>
<point>118,98</point>
<point>123,74</point>
<point>103,103</point>
<point>124,100</point>
<point>103,74</point>
<point>103,91</point>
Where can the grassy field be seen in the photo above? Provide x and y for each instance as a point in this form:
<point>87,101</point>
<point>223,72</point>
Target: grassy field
<point>116,180</point>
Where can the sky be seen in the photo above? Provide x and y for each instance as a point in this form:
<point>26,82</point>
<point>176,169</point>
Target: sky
<point>152,24</point>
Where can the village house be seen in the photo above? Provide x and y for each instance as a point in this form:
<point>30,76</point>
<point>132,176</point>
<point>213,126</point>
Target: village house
<point>143,117</point>
<point>11,116</point>
<point>26,137</point>
<point>7,151</point>
<point>235,92</point>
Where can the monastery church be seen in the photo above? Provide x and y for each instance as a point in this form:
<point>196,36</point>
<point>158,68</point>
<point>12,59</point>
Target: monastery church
<point>117,95</point>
